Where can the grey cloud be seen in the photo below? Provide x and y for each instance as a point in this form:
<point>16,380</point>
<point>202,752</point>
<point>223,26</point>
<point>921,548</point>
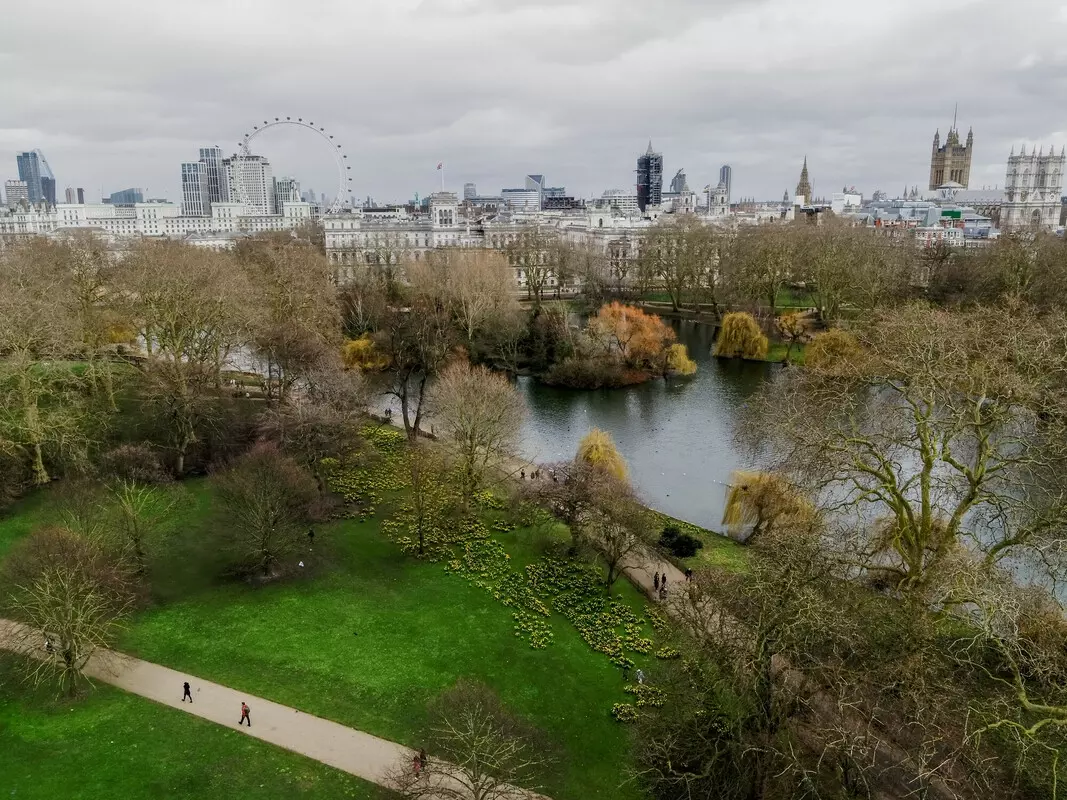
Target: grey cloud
<point>496,89</point>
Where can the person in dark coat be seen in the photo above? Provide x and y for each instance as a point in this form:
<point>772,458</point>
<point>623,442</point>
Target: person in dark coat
<point>188,692</point>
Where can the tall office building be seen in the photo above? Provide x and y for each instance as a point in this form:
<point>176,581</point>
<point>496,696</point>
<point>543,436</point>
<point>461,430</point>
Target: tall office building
<point>726,178</point>
<point>678,182</point>
<point>470,191</point>
<point>286,190</point>
<point>195,195</point>
<point>16,192</point>
<point>73,195</point>
<point>215,174</point>
<point>81,196</point>
<point>29,164</point>
<point>249,181</point>
<point>649,178</point>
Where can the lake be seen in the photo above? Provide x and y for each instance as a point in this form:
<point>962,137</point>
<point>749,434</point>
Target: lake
<point>677,436</point>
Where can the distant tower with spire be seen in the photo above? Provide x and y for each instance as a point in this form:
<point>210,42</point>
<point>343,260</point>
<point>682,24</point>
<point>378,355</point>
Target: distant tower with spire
<point>804,186</point>
<point>951,162</point>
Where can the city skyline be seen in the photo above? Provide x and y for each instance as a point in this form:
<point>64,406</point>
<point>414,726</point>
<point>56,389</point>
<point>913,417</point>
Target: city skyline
<point>863,114</point>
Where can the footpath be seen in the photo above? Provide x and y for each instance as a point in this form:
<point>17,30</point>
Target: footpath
<point>355,752</point>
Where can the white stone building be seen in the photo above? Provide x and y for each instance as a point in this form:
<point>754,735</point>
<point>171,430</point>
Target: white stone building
<point>250,182</point>
<point>146,219</point>
<point>718,199</point>
<point>1032,190</point>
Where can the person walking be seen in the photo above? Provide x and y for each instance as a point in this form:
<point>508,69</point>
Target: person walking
<point>244,714</point>
<point>663,581</point>
<point>689,575</point>
<point>311,538</point>
<point>663,593</point>
<point>655,582</point>
<point>188,692</point>
<point>416,764</point>
<point>522,474</point>
<point>640,677</point>
<point>423,758</point>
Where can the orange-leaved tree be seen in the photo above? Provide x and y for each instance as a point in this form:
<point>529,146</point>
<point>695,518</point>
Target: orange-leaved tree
<point>629,334</point>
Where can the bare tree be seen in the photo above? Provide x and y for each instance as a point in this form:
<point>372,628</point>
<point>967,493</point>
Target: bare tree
<point>481,412</point>
<point>760,264</point>
<point>477,286</point>
<point>44,416</point>
<point>944,430</point>
<point>323,421</point>
<point>66,588</point>
<point>190,308</point>
<point>296,316</point>
<point>140,511</point>
<point>681,255</point>
<point>618,527</point>
<point>533,252</point>
<point>479,751</point>
<point>265,496</point>
<point>418,339</point>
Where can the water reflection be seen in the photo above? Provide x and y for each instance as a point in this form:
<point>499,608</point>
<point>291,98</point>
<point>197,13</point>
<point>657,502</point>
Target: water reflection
<point>677,435</point>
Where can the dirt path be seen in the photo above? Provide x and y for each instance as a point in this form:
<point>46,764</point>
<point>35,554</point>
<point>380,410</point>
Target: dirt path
<point>353,751</point>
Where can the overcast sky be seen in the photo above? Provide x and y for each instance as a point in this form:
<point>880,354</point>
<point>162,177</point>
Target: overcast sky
<point>118,92</point>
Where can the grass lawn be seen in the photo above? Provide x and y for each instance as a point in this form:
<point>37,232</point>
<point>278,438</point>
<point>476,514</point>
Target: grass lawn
<point>719,551</point>
<point>776,353</point>
<point>791,297</point>
<point>113,744</point>
<point>370,637</point>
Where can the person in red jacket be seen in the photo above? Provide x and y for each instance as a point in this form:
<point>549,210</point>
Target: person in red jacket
<point>244,715</point>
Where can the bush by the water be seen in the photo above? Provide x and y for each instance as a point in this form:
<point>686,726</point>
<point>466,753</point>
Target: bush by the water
<point>578,372</point>
<point>679,544</point>
<point>740,337</point>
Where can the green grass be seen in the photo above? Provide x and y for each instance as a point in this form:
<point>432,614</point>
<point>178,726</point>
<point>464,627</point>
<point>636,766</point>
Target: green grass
<point>719,551</point>
<point>113,744</point>
<point>369,635</point>
<point>776,353</point>
<point>791,297</point>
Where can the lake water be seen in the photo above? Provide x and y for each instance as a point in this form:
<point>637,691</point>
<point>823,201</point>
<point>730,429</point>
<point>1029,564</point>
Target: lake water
<point>677,436</point>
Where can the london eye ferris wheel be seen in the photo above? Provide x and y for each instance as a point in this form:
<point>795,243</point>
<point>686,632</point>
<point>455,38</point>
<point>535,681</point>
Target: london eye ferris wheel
<point>244,158</point>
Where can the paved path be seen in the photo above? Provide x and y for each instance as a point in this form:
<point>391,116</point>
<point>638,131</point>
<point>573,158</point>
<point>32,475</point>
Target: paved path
<point>353,751</point>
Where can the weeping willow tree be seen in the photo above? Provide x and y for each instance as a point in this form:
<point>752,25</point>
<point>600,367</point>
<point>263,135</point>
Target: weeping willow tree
<point>830,350</point>
<point>740,337</point>
<point>598,450</point>
<point>762,501</point>
<point>676,361</point>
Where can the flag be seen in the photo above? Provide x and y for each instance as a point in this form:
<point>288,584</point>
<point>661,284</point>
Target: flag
<point>440,164</point>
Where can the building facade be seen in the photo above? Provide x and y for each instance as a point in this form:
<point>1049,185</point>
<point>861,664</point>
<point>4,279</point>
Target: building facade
<point>521,199</point>
<point>215,171</point>
<point>250,183</point>
<point>470,191</point>
<point>126,197</point>
<point>678,181</point>
<point>1032,189</point>
<point>951,162</point>
<point>286,190</point>
<point>29,165</point>
<point>16,192</point>
<point>195,202</point>
<point>649,178</point>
